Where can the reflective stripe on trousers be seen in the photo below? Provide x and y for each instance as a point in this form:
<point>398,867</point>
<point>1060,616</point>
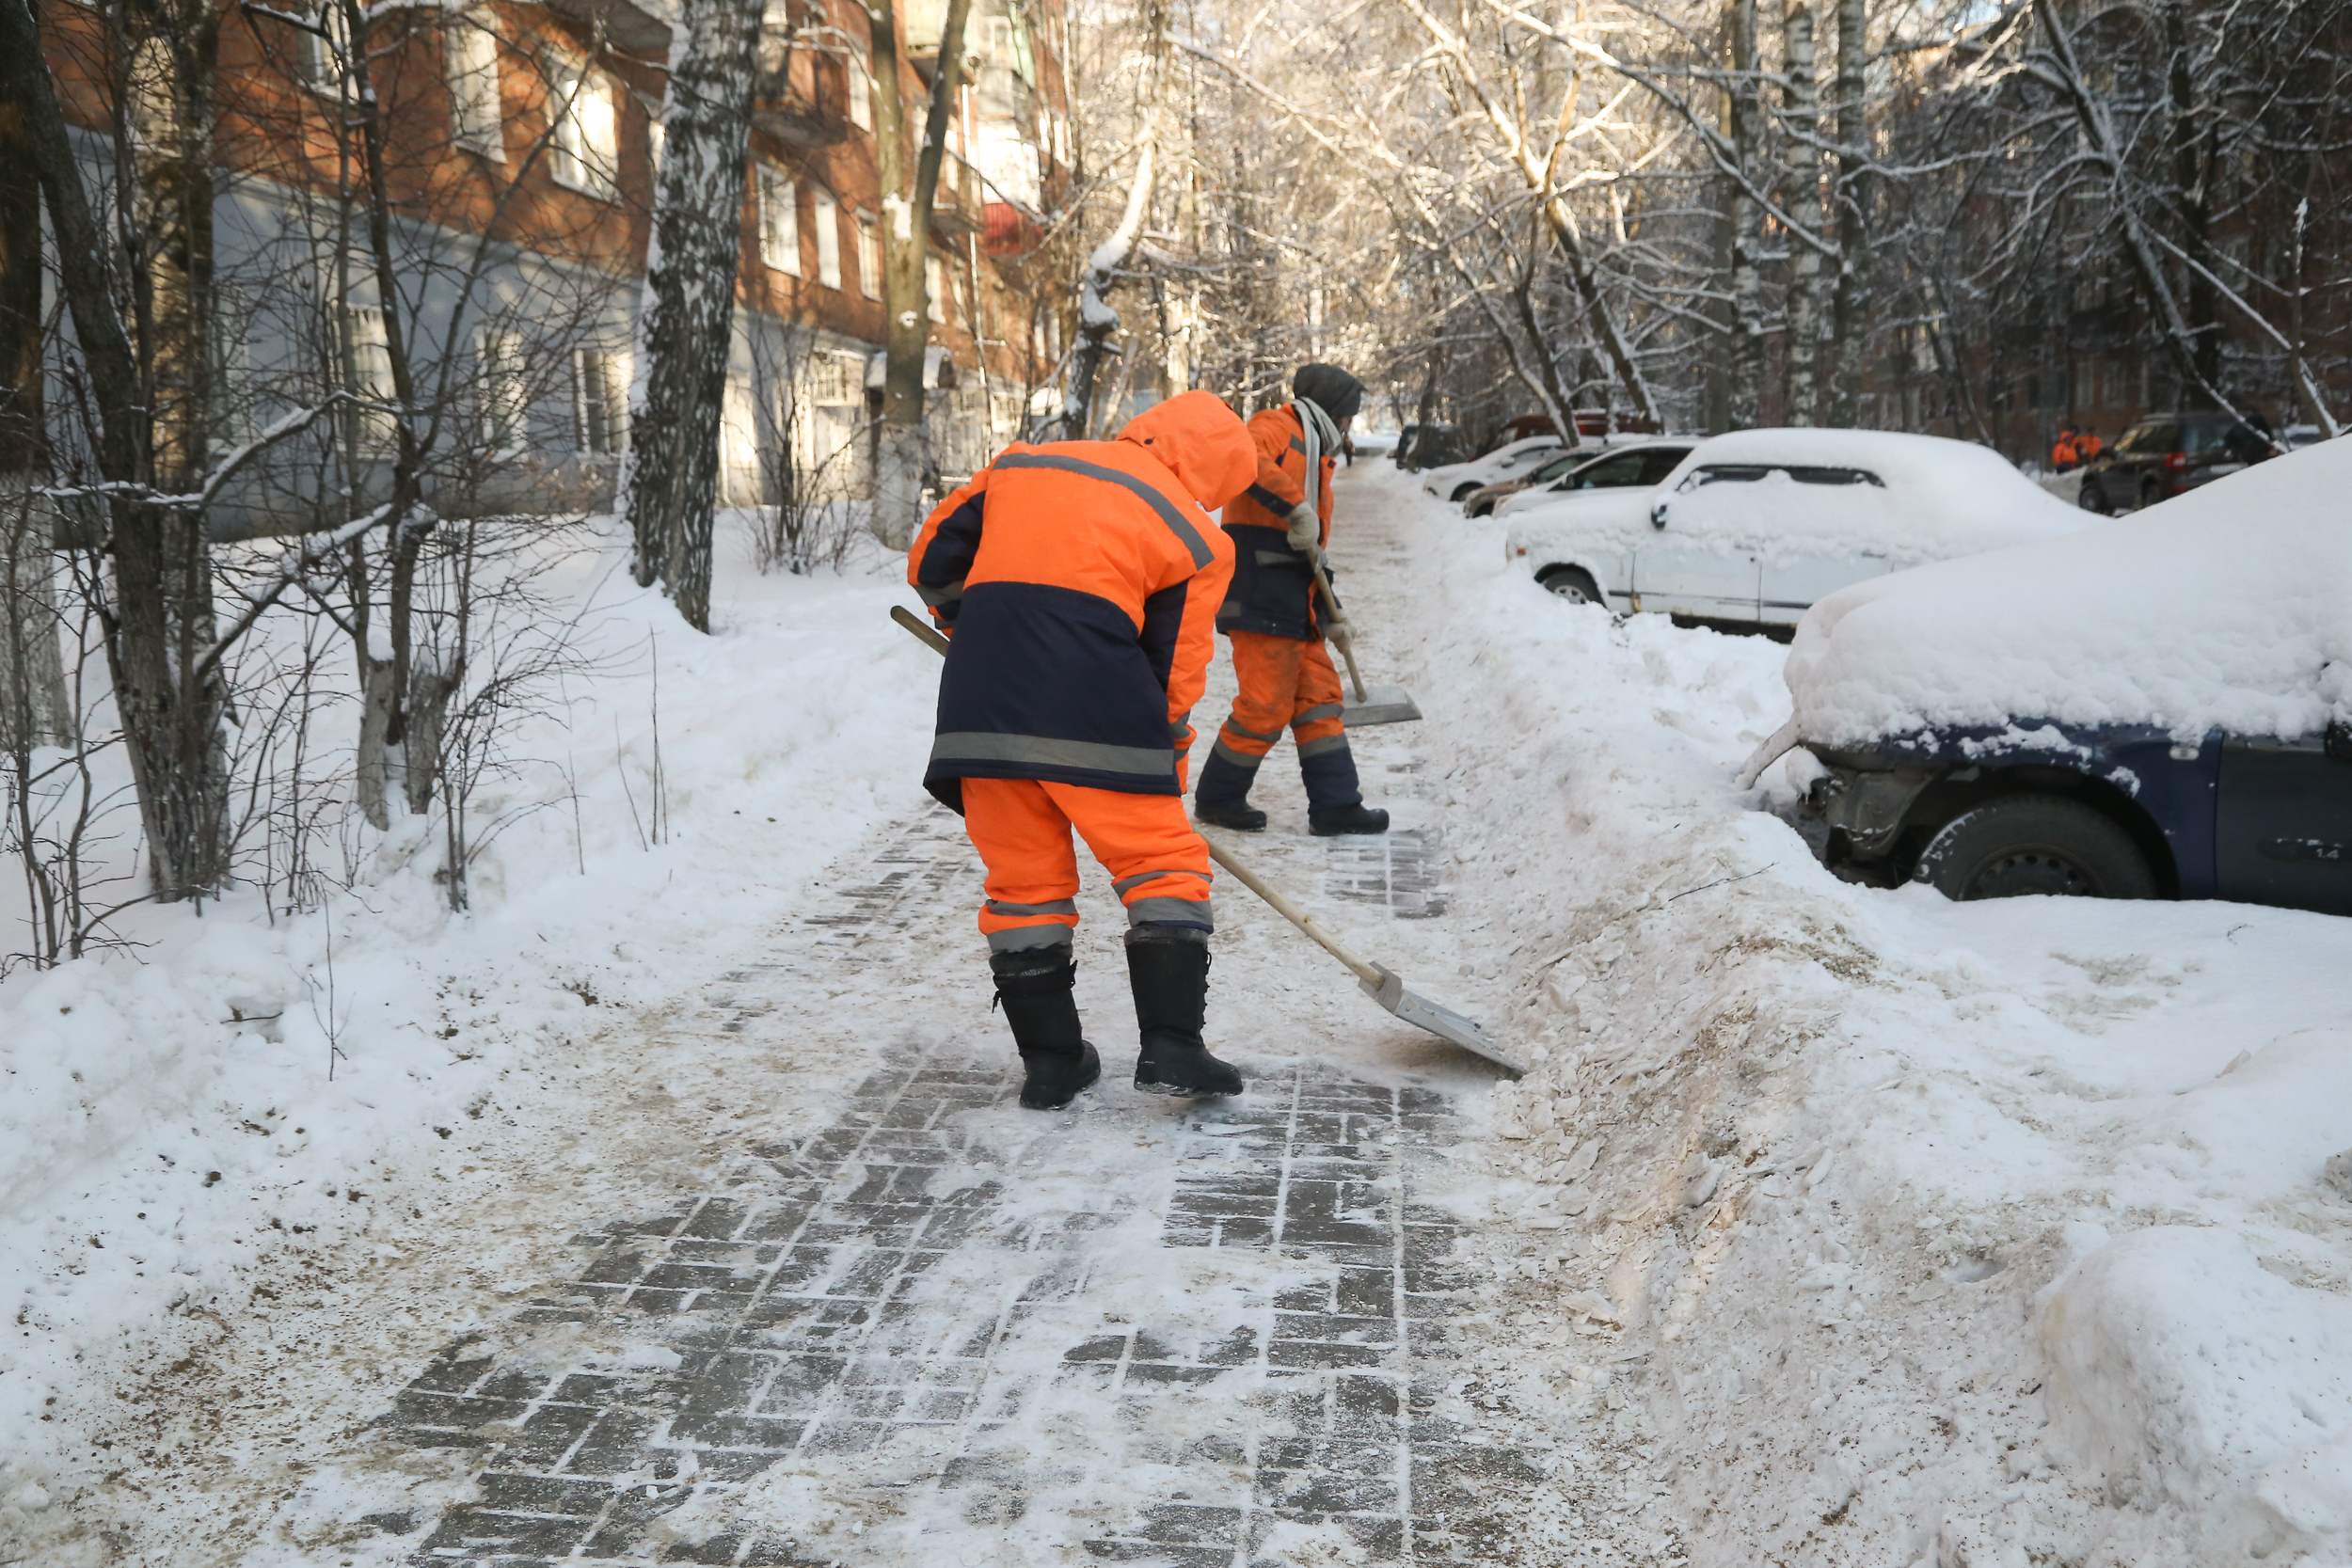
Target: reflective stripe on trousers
<point>1022,829</point>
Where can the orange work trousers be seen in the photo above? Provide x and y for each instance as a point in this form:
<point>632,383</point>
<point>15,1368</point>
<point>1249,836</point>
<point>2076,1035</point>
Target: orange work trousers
<point>1285,683</point>
<point>1158,866</point>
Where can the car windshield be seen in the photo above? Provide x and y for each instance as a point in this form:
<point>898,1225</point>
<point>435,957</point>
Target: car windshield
<point>1559,467</point>
<point>2206,436</point>
<point>2156,436</point>
<point>1804,473</point>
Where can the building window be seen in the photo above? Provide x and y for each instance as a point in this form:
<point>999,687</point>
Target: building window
<point>319,48</point>
<point>779,222</point>
<point>868,258</point>
<point>861,89</point>
<point>936,286</point>
<point>586,140</point>
<point>477,117</point>
<point>371,372</point>
<point>500,385</point>
<point>599,400</point>
<point>828,220</point>
<point>231,366</point>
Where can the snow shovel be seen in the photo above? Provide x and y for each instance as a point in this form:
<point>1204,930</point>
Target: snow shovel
<point>1381,984</point>
<point>1381,705</point>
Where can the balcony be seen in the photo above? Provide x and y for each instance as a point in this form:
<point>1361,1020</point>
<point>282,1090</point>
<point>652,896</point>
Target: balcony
<point>960,206</point>
<point>798,96</point>
<point>642,29</point>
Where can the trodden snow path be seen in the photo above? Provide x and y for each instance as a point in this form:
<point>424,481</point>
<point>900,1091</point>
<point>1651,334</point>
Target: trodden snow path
<point>933,1327</point>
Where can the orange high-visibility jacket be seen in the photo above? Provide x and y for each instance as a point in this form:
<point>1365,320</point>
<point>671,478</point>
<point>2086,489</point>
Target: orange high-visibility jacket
<point>1079,581</point>
<point>1273,589</point>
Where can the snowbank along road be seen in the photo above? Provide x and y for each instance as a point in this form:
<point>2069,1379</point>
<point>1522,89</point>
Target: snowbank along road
<point>1833,1227</point>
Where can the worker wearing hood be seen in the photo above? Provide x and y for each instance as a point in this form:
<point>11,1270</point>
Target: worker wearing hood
<point>1078,584</point>
<point>1275,623</point>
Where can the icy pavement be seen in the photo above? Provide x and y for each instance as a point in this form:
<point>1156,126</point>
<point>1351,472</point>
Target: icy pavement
<point>909,1308</point>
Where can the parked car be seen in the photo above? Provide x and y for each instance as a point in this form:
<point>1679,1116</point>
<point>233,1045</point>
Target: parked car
<point>2152,709</point>
<point>1456,480</point>
<point>2165,455</point>
<point>1750,529</point>
<point>1621,467</point>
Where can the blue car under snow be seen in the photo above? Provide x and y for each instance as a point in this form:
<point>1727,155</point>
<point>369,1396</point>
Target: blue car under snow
<point>2160,706</point>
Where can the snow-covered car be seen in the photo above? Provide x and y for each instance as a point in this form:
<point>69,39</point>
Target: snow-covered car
<point>2296,436</point>
<point>1622,468</point>
<point>2156,706</point>
<point>1751,528</point>
<point>1456,480</point>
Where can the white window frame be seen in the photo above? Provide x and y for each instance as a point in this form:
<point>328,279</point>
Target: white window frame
<point>371,370</point>
<point>315,58</point>
<point>859,72</point>
<point>601,401</point>
<point>826,213</point>
<point>585,143</point>
<point>779,221</point>
<point>870,262</point>
<point>501,393</point>
<point>477,108</point>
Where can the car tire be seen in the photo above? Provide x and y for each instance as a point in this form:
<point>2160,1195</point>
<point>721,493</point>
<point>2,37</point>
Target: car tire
<point>2035,843</point>
<point>1572,583</point>
<point>1462,493</point>
<point>2094,499</point>
<point>1478,509</point>
<point>2150,493</point>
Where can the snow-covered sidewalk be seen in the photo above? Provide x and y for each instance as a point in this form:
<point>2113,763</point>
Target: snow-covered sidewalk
<point>1835,1225</point>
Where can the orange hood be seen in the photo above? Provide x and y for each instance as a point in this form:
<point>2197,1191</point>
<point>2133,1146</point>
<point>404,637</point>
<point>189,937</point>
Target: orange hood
<point>1201,442</point>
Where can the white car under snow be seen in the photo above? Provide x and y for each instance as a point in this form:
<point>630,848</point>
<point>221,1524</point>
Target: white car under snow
<point>1753,527</point>
<point>1455,481</point>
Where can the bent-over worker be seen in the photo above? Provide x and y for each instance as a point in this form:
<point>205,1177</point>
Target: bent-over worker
<point>1276,622</point>
<point>1078,583</point>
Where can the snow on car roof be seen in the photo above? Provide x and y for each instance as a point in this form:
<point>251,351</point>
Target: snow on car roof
<point>2226,607</point>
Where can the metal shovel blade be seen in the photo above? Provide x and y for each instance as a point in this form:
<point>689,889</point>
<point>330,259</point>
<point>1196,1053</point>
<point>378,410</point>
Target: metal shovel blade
<point>1382,705</point>
<point>1444,1023</point>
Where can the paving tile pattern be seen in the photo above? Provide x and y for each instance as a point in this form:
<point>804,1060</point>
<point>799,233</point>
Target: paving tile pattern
<point>1403,870</point>
<point>781,1316</point>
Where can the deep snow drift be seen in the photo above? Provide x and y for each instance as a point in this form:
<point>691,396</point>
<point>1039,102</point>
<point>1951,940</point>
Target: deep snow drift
<point>1858,1226</point>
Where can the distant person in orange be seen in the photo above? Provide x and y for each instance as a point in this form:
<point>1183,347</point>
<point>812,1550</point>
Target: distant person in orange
<point>1276,621</point>
<point>1080,583</point>
<point>2088,447</point>
<point>2064,455</point>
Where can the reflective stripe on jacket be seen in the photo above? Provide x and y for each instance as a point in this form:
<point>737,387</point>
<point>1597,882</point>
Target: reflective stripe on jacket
<point>1273,589</point>
<point>1078,583</point>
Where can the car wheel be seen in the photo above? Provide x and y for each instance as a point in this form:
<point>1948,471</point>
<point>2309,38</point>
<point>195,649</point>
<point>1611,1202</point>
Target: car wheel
<point>1572,583</point>
<point>1462,493</point>
<point>2035,843</point>
<point>2150,493</point>
<point>2094,499</point>
<point>1478,509</point>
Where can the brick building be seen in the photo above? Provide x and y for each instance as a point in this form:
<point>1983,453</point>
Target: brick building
<point>521,142</point>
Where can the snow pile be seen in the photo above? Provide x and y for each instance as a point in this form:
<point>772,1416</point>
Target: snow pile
<point>2229,607</point>
<point>176,1159</point>
<point>1846,1225</point>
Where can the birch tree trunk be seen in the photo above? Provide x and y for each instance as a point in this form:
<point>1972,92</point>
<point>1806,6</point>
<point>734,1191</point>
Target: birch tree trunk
<point>1743,130</point>
<point>669,480</point>
<point>1802,107</point>
<point>1850,305</point>
<point>901,445</point>
<point>1098,324</point>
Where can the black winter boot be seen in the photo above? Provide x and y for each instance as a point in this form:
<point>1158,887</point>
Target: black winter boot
<point>1035,988</point>
<point>1331,821</point>
<point>1221,798</point>
<point>1169,967</point>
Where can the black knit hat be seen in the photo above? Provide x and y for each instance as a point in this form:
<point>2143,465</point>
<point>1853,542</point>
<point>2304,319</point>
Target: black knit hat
<point>1329,389</point>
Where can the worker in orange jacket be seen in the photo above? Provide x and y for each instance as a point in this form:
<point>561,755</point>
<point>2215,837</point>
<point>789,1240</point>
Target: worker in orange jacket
<point>1276,622</point>
<point>2064,458</point>
<point>1080,583</point>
